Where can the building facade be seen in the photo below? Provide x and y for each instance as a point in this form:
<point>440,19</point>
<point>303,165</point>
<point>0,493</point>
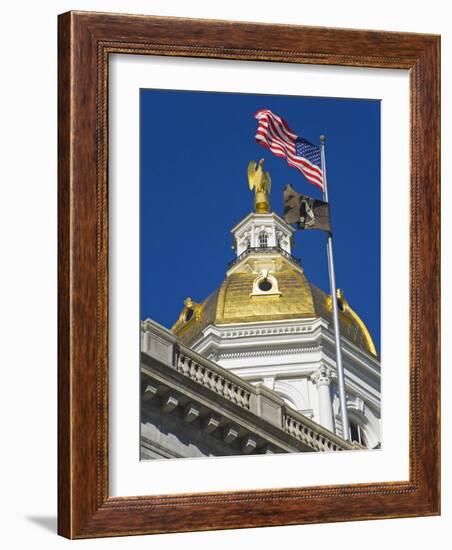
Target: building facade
<point>267,331</point>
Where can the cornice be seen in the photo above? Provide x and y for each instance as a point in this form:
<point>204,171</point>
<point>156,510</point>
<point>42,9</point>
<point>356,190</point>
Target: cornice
<point>265,353</point>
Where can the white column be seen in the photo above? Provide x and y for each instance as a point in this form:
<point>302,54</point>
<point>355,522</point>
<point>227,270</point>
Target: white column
<point>322,379</point>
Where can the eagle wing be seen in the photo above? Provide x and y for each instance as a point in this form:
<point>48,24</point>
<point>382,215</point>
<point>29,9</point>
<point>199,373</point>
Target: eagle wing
<point>252,174</point>
<point>268,182</point>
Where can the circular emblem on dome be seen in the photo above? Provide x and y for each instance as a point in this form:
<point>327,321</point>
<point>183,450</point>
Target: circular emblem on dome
<point>265,285</point>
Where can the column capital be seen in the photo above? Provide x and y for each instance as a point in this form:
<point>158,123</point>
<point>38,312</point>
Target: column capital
<point>322,376</point>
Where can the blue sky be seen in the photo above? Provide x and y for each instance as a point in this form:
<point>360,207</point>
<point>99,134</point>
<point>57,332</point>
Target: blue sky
<point>195,148</point>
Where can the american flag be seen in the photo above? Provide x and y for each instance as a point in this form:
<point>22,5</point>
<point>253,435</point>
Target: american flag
<point>274,134</point>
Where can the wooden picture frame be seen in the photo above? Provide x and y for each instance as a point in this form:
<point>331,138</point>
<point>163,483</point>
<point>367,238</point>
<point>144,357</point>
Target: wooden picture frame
<point>85,508</point>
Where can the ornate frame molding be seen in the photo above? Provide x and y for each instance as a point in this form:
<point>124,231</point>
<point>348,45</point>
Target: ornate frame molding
<point>85,42</point>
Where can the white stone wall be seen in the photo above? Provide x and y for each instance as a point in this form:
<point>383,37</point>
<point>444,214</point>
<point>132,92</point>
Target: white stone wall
<point>296,359</point>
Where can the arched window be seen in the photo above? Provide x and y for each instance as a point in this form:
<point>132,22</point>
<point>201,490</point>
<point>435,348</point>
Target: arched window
<point>263,240</point>
<point>357,433</point>
<point>293,396</point>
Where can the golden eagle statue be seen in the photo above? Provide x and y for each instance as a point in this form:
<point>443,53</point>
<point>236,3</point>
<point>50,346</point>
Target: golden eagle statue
<point>260,181</point>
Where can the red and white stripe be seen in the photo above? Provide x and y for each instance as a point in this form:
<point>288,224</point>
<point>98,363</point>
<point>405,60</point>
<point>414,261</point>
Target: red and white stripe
<point>274,133</point>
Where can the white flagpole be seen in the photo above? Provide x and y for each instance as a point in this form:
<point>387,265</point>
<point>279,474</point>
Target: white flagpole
<point>337,332</point>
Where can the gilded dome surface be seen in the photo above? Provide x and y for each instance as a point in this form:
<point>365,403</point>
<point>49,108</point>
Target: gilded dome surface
<point>297,298</point>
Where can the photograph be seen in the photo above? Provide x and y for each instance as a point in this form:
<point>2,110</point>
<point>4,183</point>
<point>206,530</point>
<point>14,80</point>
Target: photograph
<point>255,210</point>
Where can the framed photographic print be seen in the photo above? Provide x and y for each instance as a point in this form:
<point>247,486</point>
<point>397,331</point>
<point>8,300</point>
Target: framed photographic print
<point>219,184</point>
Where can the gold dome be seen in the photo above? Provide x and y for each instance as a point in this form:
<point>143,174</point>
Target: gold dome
<point>297,298</point>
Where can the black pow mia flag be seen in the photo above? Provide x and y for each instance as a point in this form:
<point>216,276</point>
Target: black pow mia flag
<point>305,212</point>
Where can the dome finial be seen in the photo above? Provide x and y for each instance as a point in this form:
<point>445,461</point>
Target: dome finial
<point>260,181</point>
